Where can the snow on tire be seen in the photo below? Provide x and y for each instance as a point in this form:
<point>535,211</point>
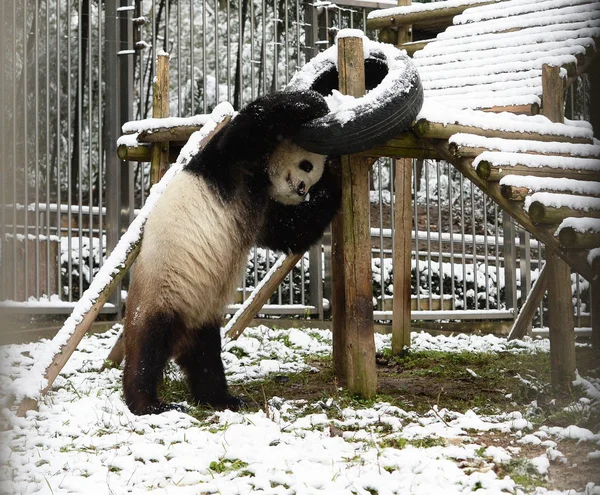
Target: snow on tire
<point>393,100</point>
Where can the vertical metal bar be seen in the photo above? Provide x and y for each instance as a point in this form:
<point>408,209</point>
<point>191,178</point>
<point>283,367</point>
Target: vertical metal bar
<point>381,255</point>
<point>229,41</point>
<point>275,51</point>
<point>179,99</point>
<point>15,165</point>
<point>497,253</point>
<point>578,300</point>
<point>485,254</point>
<point>440,230</point>
<point>192,79</point>
<point>216,18</point>
<point>392,214</point>
<point>524,264</point>
<point>68,161</point>
<point>509,251</point>
<point>58,150</point>
<point>25,155</point>
<point>427,202</point>
<point>240,55</point>
<point>4,62</point>
<point>252,80</point>
<point>204,62</point>
<point>541,308</point>
<point>474,232</point>
<point>286,30</point>
<point>90,179</point>
<point>79,154</point>
<point>47,144</point>
<point>36,208</point>
<point>263,65</point>
<point>462,236</point>
<point>112,130</point>
<point>416,222</point>
<point>101,163</point>
<point>451,229</point>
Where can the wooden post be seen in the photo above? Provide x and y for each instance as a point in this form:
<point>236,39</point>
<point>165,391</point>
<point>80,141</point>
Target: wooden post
<point>560,297</point>
<point>360,343</point>
<point>402,250</point>
<point>560,319</point>
<point>402,235</point>
<point>160,110</point>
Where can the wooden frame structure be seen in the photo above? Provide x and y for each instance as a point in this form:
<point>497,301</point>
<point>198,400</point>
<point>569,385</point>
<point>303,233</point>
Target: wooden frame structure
<point>353,340</point>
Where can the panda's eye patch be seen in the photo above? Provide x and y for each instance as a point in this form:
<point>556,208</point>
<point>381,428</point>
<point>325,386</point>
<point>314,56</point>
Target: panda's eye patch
<point>306,166</point>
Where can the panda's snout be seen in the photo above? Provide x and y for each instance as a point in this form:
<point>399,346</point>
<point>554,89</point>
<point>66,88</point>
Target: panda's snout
<point>301,189</point>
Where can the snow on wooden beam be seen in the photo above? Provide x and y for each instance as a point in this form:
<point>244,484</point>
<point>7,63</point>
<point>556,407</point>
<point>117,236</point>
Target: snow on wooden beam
<point>493,165</point>
<point>470,146</point>
<point>518,187</point>
<point>544,207</point>
<point>579,233</point>
<point>502,128</point>
<point>143,152</point>
<point>423,14</point>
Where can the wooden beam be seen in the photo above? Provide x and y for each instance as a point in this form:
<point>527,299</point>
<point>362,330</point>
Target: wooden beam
<point>533,109</point>
<point>261,295</point>
<point>553,99</point>
<point>541,213</point>
<point>360,342</point>
<point>595,305</point>
<point>434,130</point>
<point>180,133</point>
<point>572,239</point>
<point>406,145</point>
<point>143,152</point>
<point>460,151</point>
<point>531,305</point>
<point>488,171</point>
<point>424,17</point>
<point>519,193</point>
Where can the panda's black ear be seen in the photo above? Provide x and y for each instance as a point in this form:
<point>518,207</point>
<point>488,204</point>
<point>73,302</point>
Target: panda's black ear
<point>265,122</point>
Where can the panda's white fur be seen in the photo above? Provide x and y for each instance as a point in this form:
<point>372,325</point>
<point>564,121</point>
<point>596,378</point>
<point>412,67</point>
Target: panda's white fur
<point>248,185</point>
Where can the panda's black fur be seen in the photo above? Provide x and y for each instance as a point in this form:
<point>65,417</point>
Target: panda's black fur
<point>246,186</point>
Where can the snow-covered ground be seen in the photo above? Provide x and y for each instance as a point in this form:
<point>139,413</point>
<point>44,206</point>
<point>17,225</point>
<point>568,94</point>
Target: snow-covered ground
<point>84,440</point>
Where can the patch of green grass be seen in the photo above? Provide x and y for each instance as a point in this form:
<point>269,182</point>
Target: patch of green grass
<point>420,443</point>
<point>522,472</point>
<point>226,465</point>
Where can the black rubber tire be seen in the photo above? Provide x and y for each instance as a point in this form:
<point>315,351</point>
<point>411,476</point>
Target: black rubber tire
<point>373,125</point>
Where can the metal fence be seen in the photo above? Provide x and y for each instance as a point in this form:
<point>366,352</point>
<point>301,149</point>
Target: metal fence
<point>74,71</point>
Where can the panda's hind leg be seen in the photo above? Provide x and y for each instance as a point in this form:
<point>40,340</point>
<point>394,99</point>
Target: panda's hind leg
<point>201,361</point>
<point>149,343</point>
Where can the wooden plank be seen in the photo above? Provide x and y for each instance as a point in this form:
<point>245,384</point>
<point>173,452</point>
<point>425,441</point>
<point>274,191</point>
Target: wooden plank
<point>143,152</point>
<point>360,341</point>
<point>553,100</point>
<point>531,305</point>
<point>533,109</point>
<point>460,151</point>
<point>261,295</point>
<point>402,256</point>
<point>488,171</point>
<point>435,130</point>
<point>519,193</point>
<point>425,18</point>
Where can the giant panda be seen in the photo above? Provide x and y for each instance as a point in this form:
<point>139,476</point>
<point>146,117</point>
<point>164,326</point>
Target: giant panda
<point>251,184</point>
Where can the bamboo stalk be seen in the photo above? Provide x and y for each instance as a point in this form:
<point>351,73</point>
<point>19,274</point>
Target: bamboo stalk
<point>573,239</point>
<point>541,213</point>
<point>260,295</point>
<point>491,172</point>
<point>434,130</point>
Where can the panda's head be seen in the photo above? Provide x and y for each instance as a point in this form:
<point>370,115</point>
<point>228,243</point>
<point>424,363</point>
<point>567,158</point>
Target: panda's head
<point>293,171</point>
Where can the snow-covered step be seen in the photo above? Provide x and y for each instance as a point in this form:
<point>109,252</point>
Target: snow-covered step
<point>493,165</point>
<point>548,208</point>
<point>518,187</point>
<point>463,145</point>
<point>579,233</point>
